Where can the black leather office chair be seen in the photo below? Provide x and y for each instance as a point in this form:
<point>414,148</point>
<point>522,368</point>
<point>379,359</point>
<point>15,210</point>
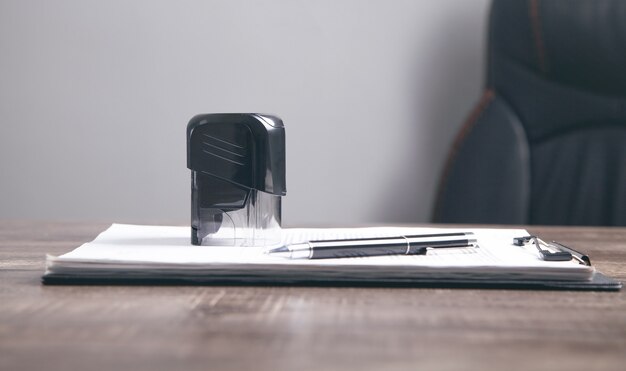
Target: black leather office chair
<point>547,142</point>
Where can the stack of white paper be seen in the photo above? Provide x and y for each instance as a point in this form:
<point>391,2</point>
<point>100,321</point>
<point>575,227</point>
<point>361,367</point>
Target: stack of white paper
<point>131,252</point>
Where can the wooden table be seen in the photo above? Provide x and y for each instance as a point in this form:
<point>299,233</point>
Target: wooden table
<point>301,328</point>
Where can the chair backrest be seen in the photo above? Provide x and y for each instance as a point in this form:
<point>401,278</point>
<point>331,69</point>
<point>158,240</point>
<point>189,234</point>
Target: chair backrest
<point>547,142</point>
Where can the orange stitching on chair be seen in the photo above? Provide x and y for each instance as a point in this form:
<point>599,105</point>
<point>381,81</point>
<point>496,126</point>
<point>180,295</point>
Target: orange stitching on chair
<point>537,35</point>
<point>467,126</point>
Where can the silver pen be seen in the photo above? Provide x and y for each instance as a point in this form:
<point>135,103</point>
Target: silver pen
<point>361,247</point>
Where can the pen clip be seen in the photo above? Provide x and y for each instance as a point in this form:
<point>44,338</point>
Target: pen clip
<point>441,248</point>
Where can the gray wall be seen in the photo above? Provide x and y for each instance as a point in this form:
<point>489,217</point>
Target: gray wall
<point>95,97</point>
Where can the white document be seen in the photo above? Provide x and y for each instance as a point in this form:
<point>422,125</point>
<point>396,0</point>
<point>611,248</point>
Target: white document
<point>164,252</point>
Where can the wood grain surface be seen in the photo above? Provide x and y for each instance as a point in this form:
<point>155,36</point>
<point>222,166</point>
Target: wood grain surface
<point>301,328</point>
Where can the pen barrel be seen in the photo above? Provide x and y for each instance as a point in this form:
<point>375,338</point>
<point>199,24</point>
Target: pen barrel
<point>405,245</point>
<point>353,249</point>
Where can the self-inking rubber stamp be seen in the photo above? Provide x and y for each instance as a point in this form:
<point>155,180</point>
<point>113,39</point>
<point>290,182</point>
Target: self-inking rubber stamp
<point>237,164</point>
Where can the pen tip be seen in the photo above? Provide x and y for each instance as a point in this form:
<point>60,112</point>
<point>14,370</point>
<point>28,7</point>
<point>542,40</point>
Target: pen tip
<point>277,250</point>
